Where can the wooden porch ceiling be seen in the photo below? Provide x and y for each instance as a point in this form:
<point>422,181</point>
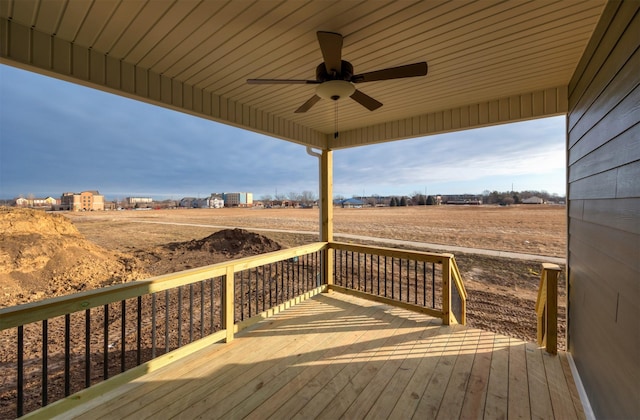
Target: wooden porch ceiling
<point>489,61</point>
<point>336,355</point>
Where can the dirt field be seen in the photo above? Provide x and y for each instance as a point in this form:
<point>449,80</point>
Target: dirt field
<point>44,255</point>
<point>502,291</point>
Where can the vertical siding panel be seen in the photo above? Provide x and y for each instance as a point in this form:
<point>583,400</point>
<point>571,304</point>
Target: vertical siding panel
<point>113,72</point>
<point>187,97</point>
<point>61,56</point>
<point>154,85</point>
<point>197,99</point>
<point>166,90</point>
<point>97,67</point>
<point>128,77</point>
<point>80,58</point>
<point>537,104</point>
<point>42,50</point>
<point>142,82</point>
<point>526,105</point>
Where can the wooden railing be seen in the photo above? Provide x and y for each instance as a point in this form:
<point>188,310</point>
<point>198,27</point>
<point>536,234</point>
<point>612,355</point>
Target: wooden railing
<point>419,281</point>
<point>547,308</point>
<point>72,344</point>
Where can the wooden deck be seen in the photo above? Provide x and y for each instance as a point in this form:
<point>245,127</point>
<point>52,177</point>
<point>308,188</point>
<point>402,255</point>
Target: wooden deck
<point>338,356</point>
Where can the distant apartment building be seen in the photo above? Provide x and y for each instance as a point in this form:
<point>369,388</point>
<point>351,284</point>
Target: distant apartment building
<point>84,201</point>
<point>238,199</point>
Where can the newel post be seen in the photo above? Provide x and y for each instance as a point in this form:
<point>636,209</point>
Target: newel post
<point>446,291</point>
<point>550,272</point>
<point>228,302</point>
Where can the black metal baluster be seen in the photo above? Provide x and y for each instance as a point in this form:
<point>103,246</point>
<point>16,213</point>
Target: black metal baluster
<point>105,350</point>
<point>67,355</point>
<point>433,285</point>
<point>87,348</point>
<point>20,373</point>
<point>399,278</point>
<point>359,275</point>
<point>352,269</point>
<point>202,289</point>
<point>415,281</point>
<point>385,276</point>
<point>191,312</point>
<point>393,278</point>
<point>242,295</point>
<point>264,288</point>
<point>365,271</point>
<point>179,316</point>
<point>378,275</point>
<point>123,335</point>
<point>139,333</point>
<point>424,283</point>
<point>153,326</point>
<point>257,282</point>
<point>212,291</point>
<point>408,278</point>
<point>277,288</point>
<point>270,288</point>
<point>45,361</point>
<point>166,321</point>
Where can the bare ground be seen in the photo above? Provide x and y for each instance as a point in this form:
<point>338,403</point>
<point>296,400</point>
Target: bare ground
<point>48,255</point>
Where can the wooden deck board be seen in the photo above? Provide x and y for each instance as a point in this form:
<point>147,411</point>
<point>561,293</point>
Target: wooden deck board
<point>340,356</point>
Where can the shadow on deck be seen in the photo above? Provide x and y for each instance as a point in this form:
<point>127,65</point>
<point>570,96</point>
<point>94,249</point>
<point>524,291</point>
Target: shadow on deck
<point>335,356</point>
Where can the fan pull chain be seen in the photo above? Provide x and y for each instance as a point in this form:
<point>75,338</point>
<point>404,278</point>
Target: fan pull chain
<point>335,116</point>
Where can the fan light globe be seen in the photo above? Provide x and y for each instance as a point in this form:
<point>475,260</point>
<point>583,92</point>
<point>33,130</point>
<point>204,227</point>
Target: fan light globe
<point>335,89</point>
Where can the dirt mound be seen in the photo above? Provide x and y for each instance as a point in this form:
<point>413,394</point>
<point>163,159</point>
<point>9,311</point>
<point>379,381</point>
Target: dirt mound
<point>221,246</point>
<point>44,255</point>
<point>231,242</point>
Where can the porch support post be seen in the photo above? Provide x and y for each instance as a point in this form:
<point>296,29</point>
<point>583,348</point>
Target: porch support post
<point>326,211</point>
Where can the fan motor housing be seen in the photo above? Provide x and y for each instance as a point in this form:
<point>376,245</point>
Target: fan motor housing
<point>346,72</point>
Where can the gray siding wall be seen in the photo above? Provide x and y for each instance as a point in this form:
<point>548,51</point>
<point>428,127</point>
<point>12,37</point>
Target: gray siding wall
<point>604,214</point>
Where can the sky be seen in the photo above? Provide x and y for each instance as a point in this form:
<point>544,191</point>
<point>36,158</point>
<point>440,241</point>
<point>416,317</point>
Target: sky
<point>60,137</point>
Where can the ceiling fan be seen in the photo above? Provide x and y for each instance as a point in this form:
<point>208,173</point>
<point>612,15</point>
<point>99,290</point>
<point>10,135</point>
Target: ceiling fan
<point>335,78</point>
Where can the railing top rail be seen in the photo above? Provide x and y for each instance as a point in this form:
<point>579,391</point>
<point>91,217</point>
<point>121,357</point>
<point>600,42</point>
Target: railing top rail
<point>49,308</point>
<point>433,257</point>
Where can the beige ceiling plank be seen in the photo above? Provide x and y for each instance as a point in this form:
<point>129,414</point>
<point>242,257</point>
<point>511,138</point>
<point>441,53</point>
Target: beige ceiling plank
<point>146,30</point>
<point>191,19</point>
<point>49,15</point>
<point>22,12</point>
<point>162,38</point>
<point>293,53</point>
<point>119,23</point>
<point>95,21</point>
<point>240,44</point>
<point>74,15</point>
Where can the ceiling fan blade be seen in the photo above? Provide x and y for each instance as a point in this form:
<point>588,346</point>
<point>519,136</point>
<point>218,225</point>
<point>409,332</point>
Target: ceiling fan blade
<point>307,105</point>
<point>410,70</point>
<point>281,82</point>
<point>365,100</point>
<point>331,47</point>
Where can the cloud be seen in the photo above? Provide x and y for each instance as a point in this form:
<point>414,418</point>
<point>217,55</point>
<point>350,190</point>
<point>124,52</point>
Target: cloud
<point>57,136</point>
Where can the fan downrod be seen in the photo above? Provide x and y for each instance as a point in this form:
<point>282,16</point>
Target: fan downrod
<point>346,72</point>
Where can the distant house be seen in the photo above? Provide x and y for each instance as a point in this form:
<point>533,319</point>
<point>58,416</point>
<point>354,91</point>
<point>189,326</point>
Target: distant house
<point>350,203</point>
<point>187,202</point>
<point>533,200</point>
<point>36,202</point>
<point>215,202</point>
